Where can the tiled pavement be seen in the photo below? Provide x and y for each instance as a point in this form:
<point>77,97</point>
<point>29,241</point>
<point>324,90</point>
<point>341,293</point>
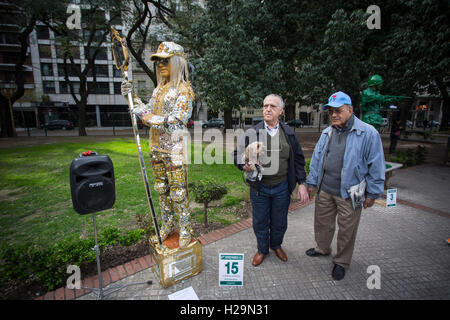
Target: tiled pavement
<point>406,243</point>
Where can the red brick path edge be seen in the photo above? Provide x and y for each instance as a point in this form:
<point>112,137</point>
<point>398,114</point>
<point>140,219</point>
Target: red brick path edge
<point>423,208</point>
<point>117,273</point>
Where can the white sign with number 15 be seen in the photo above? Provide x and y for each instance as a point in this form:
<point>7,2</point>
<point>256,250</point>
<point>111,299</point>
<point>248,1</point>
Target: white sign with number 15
<point>231,269</point>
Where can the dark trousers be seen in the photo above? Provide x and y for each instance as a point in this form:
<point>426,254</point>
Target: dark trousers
<point>270,210</point>
<point>393,145</point>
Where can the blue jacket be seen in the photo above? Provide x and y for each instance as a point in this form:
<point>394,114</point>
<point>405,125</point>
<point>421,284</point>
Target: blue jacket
<point>363,159</point>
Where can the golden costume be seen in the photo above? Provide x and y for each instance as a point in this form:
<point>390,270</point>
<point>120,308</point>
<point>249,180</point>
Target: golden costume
<point>167,114</point>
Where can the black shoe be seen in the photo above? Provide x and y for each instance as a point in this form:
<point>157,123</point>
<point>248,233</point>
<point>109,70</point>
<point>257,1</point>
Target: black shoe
<point>338,272</point>
<point>313,253</point>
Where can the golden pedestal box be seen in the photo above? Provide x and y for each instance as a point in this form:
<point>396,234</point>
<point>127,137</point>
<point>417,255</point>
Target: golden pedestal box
<point>174,264</point>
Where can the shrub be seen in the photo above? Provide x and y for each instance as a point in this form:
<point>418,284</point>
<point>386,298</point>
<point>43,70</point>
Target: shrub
<point>421,154</point>
<point>410,157</point>
<point>307,163</point>
<point>49,265</point>
<point>205,191</point>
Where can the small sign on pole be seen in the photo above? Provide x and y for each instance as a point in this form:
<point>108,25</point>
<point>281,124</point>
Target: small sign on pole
<point>231,269</point>
<point>391,198</point>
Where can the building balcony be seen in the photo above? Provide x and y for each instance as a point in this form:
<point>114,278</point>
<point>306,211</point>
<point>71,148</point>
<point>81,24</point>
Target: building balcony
<point>6,47</point>
<point>6,27</point>
<point>12,67</point>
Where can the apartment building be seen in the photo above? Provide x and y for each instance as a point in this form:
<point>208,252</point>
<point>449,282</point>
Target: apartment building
<point>106,106</point>
<point>10,47</point>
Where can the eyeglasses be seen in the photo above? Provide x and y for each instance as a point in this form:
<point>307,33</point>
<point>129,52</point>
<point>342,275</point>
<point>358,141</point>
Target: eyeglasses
<point>164,62</point>
<point>335,110</point>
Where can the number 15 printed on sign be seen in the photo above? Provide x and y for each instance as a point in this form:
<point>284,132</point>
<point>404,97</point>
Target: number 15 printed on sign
<point>231,269</point>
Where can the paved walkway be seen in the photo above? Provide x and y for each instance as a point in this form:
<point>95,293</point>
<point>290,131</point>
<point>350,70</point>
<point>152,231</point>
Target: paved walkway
<point>405,243</point>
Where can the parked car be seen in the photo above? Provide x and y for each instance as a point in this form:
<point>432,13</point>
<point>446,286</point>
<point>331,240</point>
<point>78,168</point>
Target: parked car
<point>295,123</point>
<point>419,124</point>
<point>190,124</point>
<point>434,124</point>
<point>58,124</point>
<point>214,123</point>
<point>256,120</point>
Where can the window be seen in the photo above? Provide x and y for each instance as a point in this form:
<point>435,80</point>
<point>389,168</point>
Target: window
<point>48,86</point>
<point>64,87</point>
<point>47,69</point>
<point>116,73</point>
<point>115,17</point>
<point>9,38</point>
<point>100,88</point>
<point>101,54</point>
<point>74,52</point>
<point>98,35</point>
<point>10,57</point>
<point>45,51</point>
<point>42,32</point>
<point>72,70</point>
<point>8,18</point>
<point>100,71</point>
<point>96,18</point>
<point>117,88</point>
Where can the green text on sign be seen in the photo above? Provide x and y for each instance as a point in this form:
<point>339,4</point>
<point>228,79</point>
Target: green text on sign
<point>231,257</point>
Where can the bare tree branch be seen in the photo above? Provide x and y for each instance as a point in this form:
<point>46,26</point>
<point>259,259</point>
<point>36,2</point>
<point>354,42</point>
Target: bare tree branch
<point>138,55</point>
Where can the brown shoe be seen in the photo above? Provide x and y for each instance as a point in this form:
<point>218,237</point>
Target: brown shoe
<point>281,254</point>
<point>258,259</point>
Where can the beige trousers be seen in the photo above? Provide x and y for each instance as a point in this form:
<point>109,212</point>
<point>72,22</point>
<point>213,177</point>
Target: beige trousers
<point>327,207</point>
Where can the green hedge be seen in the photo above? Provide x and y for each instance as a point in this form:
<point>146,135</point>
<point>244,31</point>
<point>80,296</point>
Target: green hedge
<point>410,157</point>
<point>49,265</point>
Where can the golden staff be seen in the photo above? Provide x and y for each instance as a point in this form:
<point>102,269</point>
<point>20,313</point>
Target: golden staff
<point>121,61</point>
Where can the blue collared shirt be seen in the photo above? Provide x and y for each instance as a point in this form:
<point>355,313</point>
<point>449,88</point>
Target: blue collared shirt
<point>271,132</point>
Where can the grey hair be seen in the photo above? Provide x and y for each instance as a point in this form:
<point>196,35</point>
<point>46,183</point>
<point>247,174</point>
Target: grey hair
<point>273,95</point>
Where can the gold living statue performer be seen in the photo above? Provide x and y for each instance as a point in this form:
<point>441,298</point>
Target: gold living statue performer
<point>167,114</point>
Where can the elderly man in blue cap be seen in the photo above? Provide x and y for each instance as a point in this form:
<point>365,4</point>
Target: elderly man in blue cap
<point>347,170</point>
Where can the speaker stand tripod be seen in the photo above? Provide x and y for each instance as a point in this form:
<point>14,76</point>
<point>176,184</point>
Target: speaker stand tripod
<point>101,293</point>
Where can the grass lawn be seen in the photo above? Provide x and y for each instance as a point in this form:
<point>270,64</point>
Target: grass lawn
<point>35,197</point>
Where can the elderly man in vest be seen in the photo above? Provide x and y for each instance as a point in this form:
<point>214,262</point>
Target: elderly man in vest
<point>282,168</point>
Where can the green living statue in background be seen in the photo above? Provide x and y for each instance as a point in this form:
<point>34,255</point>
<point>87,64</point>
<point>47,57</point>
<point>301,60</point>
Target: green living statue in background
<point>372,100</point>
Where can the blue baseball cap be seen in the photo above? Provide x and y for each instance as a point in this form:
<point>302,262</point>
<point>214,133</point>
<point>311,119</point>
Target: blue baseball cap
<point>338,99</point>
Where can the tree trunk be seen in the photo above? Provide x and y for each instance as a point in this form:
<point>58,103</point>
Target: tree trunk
<point>228,118</point>
<point>205,216</point>
<point>289,111</point>
<point>5,116</point>
<point>445,104</point>
<point>82,118</point>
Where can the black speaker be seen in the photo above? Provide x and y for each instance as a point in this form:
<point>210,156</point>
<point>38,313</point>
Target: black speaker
<point>92,183</point>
